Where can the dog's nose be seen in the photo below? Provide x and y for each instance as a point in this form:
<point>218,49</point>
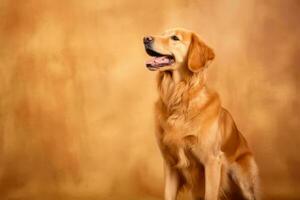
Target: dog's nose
<point>148,39</point>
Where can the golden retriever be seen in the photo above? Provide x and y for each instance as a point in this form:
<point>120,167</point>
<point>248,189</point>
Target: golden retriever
<point>202,148</point>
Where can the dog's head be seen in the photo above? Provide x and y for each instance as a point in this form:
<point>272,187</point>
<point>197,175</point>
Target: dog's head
<point>177,49</point>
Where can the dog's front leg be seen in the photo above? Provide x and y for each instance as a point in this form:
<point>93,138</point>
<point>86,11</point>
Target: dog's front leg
<point>171,182</point>
<point>212,178</point>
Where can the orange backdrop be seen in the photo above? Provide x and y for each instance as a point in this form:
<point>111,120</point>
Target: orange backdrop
<point>76,118</point>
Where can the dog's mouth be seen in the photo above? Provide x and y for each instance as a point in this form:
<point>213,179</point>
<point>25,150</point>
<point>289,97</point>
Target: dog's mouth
<point>158,60</point>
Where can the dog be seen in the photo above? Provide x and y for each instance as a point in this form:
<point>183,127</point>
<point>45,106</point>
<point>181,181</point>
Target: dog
<point>203,149</point>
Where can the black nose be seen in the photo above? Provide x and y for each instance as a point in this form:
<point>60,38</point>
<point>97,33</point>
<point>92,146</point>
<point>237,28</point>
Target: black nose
<point>148,39</point>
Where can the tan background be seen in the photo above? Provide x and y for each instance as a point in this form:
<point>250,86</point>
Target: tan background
<point>76,99</point>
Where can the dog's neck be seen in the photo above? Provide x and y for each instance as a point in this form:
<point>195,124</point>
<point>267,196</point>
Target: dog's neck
<point>178,88</point>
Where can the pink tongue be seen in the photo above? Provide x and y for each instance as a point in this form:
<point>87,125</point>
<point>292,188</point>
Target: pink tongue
<point>158,60</point>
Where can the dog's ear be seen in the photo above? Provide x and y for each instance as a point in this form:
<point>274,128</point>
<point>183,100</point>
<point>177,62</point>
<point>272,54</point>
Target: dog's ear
<point>199,54</point>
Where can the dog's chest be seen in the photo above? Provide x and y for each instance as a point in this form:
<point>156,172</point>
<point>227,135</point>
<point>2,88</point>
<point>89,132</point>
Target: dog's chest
<point>176,127</point>
<point>176,133</point>
<point>179,131</point>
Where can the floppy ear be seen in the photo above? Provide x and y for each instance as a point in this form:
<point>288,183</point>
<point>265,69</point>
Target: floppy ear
<point>199,54</point>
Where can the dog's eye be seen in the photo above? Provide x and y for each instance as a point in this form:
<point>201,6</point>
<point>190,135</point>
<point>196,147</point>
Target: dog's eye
<point>174,37</point>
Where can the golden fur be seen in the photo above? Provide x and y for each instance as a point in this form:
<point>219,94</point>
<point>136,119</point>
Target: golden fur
<point>202,148</point>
